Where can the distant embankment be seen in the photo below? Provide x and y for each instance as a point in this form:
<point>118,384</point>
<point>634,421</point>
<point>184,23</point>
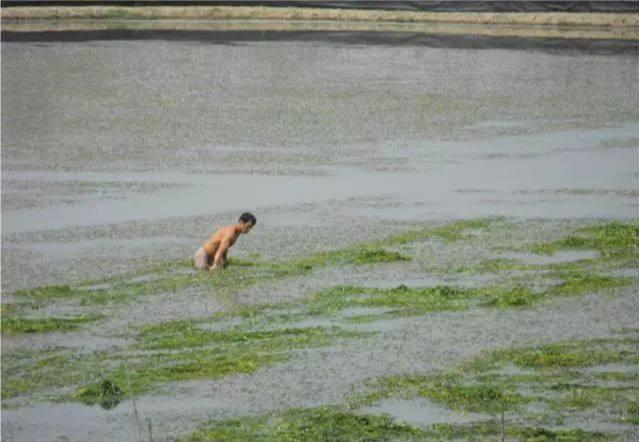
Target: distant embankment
<point>588,6</point>
<point>577,20</point>
<point>538,13</point>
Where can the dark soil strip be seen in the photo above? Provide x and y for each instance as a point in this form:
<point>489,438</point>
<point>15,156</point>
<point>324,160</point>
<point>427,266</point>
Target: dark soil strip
<point>623,6</point>
<point>354,38</point>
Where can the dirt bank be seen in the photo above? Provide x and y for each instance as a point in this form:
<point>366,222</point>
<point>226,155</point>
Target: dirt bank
<point>262,13</point>
<point>374,28</point>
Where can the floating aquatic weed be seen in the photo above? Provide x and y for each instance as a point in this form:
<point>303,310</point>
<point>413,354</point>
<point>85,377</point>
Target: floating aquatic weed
<point>11,325</point>
<point>450,232</point>
<point>554,381</point>
<point>613,240</point>
<point>580,282</point>
<point>493,430</point>
<point>106,393</point>
<point>633,413</point>
<point>309,425</point>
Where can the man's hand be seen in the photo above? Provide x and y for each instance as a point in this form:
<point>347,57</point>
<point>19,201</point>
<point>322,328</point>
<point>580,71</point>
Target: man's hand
<point>213,267</point>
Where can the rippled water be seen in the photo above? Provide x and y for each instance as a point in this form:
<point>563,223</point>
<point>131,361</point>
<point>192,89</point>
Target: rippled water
<point>448,132</point>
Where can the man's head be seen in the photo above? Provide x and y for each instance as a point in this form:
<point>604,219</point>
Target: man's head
<point>247,221</point>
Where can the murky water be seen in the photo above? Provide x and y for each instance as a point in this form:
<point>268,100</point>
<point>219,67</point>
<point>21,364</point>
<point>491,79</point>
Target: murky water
<point>612,368</point>
<point>426,281</point>
<point>74,421</point>
<point>139,145</point>
<point>381,325</point>
<point>423,412</point>
<point>437,133</point>
<point>418,123</point>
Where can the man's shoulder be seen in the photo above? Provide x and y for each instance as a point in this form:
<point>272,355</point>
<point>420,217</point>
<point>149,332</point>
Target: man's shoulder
<point>220,233</point>
<point>227,231</point>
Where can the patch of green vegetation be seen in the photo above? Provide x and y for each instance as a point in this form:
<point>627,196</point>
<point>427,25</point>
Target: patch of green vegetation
<point>581,397</point>
<point>173,276</point>
<point>495,265</point>
<point>566,354</point>
<point>526,378</point>
<point>36,372</point>
<point>48,292</point>
<point>579,283</point>
<point>449,233</point>
<point>508,298</point>
<point>492,430</point>
<point>460,396</point>
<point>334,424</point>
<point>12,325</point>
<point>404,300</point>
<point>450,389</point>
<point>617,376</point>
<point>613,239</point>
<point>407,301</point>
<point>163,278</point>
<point>106,393</point>
<point>554,380</point>
<point>633,413</point>
<point>180,334</point>
<point>174,351</point>
<point>315,424</point>
<point>145,373</point>
<point>170,277</point>
<point>358,255</point>
<point>240,263</point>
<point>197,353</point>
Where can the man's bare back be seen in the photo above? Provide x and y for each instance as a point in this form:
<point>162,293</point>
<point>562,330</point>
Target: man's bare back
<point>214,251</point>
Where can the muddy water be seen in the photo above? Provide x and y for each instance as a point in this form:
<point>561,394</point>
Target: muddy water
<point>72,421</point>
<point>443,132</point>
<point>417,123</point>
<point>329,142</point>
<point>422,412</point>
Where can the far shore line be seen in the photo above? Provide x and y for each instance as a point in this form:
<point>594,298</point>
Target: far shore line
<point>593,26</point>
<point>600,20</point>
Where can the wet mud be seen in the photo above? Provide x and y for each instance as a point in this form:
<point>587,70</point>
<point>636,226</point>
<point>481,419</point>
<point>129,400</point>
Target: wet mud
<point>114,176</point>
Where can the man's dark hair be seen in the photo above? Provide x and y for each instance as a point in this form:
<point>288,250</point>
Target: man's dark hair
<point>248,217</point>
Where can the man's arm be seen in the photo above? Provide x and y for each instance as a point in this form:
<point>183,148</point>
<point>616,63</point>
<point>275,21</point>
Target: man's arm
<point>225,259</point>
<point>220,253</point>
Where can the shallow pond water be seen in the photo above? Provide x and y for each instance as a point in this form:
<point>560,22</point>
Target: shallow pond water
<point>613,368</point>
<point>380,325</point>
<point>76,421</point>
<point>423,412</point>
<point>428,281</point>
<point>283,138</point>
<point>363,311</point>
<point>139,148</point>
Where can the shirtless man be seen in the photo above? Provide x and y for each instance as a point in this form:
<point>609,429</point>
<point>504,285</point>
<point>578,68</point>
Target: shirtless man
<point>213,252</point>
